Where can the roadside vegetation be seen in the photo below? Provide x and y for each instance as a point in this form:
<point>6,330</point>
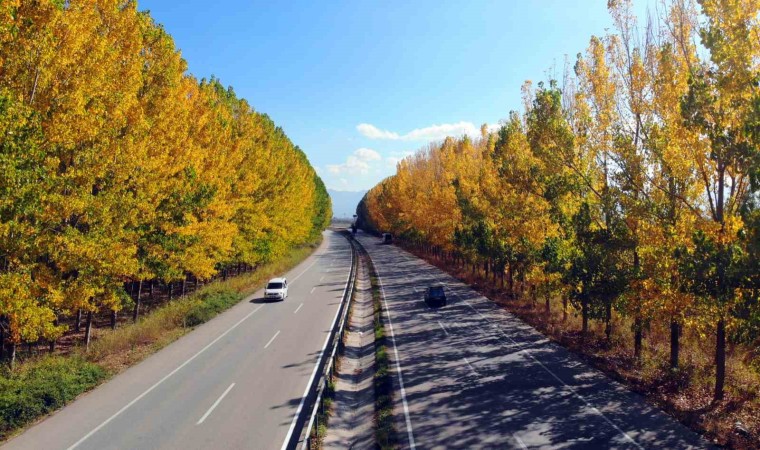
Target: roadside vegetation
<point>618,211</point>
<point>41,384</point>
<point>385,433</point>
<point>125,182</point>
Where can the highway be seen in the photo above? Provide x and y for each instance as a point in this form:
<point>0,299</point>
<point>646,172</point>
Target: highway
<point>235,382</point>
<point>474,376</point>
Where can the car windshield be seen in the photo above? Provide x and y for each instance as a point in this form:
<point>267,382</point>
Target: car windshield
<point>436,290</point>
<point>274,286</point>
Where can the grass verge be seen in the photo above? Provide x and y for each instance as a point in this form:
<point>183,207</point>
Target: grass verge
<point>39,386</point>
<point>385,434</point>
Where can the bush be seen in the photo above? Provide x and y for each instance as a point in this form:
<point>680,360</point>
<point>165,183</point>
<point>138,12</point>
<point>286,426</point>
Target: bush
<point>41,387</point>
<point>209,304</point>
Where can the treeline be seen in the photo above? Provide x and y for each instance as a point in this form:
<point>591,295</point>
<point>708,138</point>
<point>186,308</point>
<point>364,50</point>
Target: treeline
<point>629,186</point>
<point>118,166</point>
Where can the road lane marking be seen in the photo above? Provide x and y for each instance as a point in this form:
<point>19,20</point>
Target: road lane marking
<point>555,376</point>
<point>216,403</point>
<point>312,290</point>
<point>443,328</point>
<point>304,271</point>
<point>405,404</point>
<point>471,368</point>
<point>166,377</point>
<point>299,307</point>
<point>314,372</point>
<point>568,387</point>
<point>271,340</point>
<point>520,441</point>
<point>323,277</point>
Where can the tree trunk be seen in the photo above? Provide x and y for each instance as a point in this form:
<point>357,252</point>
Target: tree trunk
<point>548,305</point>
<point>564,308</point>
<point>88,330</point>
<point>171,291</point>
<point>113,319</point>
<point>511,275</point>
<point>675,332</point>
<point>584,313</point>
<point>184,285</point>
<point>78,322</point>
<point>136,312</point>
<point>608,320</point>
<point>637,338</point>
<point>720,360</point>
<point>12,358</point>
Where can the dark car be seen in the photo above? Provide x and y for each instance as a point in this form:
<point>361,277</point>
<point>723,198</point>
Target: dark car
<point>435,296</point>
<point>387,238</point>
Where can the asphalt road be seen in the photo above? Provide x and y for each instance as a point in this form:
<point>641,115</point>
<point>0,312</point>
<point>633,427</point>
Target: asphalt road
<point>235,382</point>
<point>475,376</point>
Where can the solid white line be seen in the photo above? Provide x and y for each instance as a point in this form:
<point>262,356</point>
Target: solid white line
<point>166,377</point>
<point>312,290</point>
<point>409,432</point>
<point>316,366</point>
<point>443,328</point>
<point>520,441</point>
<point>299,307</point>
<point>216,403</point>
<point>271,340</point>
<point>471,368</point>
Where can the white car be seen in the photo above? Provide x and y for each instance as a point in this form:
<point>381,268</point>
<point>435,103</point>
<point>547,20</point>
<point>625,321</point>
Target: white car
<point>277,288</point>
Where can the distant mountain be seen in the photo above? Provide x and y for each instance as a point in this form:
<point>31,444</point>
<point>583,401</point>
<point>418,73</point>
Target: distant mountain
<point>344,202</point>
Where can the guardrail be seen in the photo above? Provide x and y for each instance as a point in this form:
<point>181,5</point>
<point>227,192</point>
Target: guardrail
<point>306,437</point>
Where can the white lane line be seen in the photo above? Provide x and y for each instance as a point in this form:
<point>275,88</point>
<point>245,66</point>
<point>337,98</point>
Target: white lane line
<point>443,328</point>
<point>312,290</point>
<point>166,377</point>
<point>471,368</point>
<point>299,307</point>
<point>314,372</point>
<point>323,277</point>
<point>304,271</point>
<point>405,404</point>
<point>216,403</point>
<point>556,377</point>
<point>520,442</point>
<point>272,340</point>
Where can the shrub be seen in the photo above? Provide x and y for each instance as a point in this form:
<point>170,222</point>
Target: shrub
<point>42,386</point>
<point>209,304</point>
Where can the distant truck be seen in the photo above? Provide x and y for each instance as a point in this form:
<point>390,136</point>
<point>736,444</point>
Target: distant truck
<point>387,238</point>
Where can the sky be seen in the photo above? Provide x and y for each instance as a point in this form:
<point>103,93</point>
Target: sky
<point>360,84</point>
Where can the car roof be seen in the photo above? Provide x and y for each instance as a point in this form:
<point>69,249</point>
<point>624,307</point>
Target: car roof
<point>277,280</point>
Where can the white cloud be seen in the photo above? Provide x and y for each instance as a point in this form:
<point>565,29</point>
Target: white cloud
<point>367,154</point>
<point>373,132</point>
<point>357,163</point>
<point>431,133</point>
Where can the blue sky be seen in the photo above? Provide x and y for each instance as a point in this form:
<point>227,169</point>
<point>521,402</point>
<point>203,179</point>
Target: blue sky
<point>358,84</point>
